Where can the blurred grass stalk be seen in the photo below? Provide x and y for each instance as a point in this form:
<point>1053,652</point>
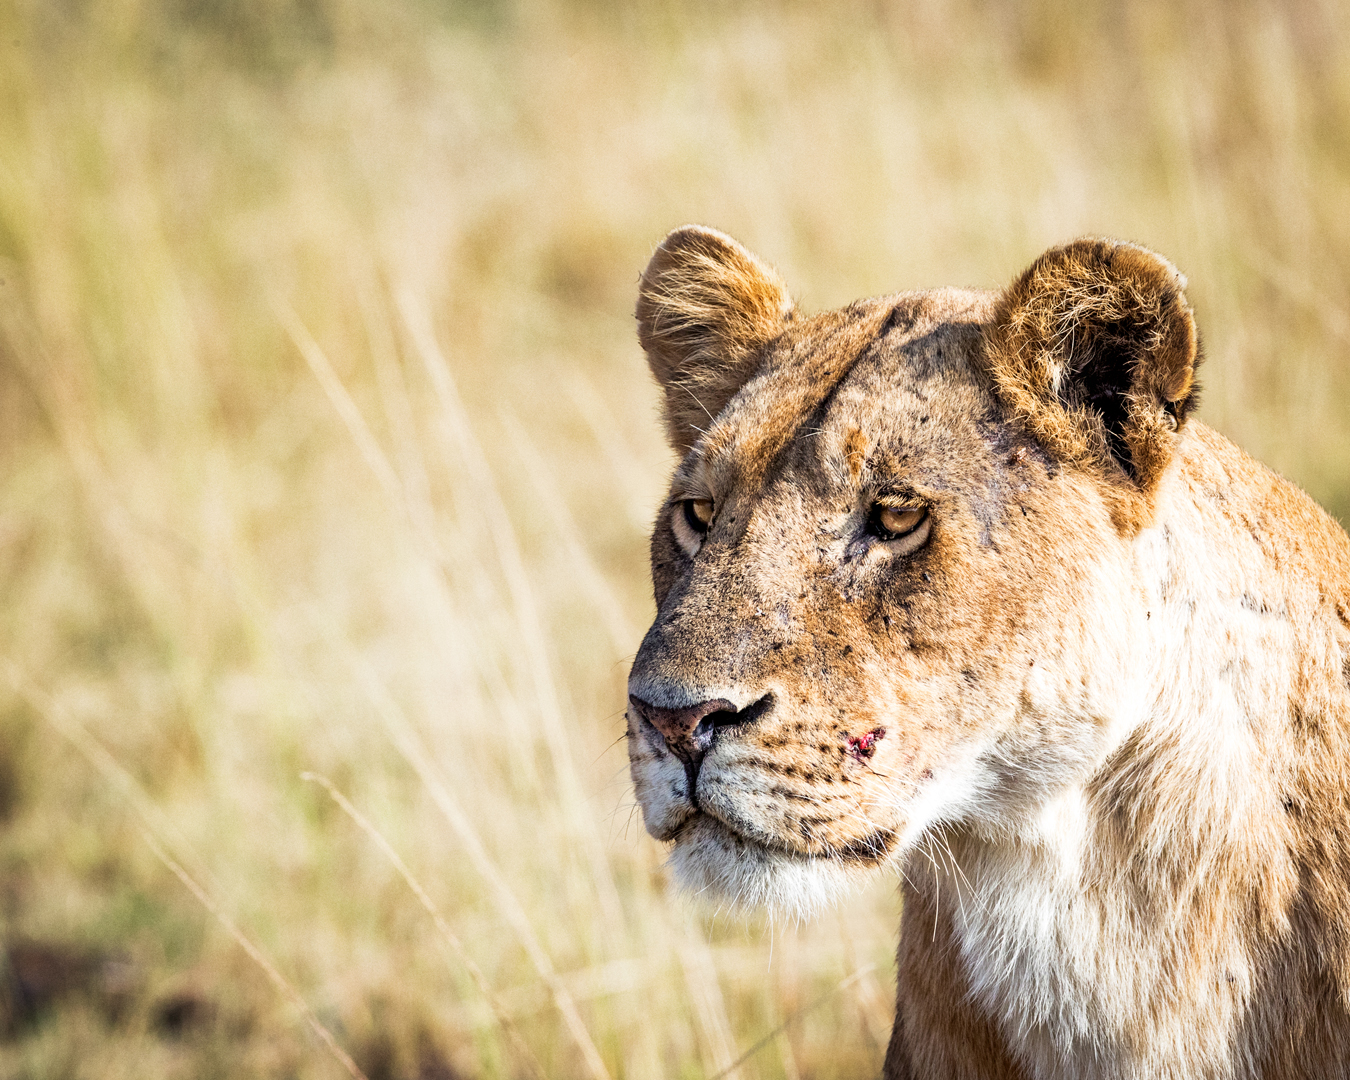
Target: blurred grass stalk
<point>325,446</point>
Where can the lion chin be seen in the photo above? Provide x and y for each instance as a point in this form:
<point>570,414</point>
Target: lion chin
<point>711,861</point>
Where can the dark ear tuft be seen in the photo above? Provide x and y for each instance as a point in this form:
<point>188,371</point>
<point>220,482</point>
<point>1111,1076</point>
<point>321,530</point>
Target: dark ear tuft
<point>1095,349</point>
<point>706,307</point>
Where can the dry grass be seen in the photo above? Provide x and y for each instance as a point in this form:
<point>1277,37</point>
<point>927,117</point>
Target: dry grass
<point>325,446</point>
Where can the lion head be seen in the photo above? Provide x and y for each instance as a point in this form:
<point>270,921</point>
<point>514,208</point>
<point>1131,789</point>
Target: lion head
<point>894,572</point>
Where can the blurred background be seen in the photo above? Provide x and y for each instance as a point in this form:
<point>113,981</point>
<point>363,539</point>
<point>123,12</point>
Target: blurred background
<point>327,458</point>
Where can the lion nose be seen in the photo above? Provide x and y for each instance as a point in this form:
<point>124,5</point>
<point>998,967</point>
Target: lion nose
<point>688,732</point>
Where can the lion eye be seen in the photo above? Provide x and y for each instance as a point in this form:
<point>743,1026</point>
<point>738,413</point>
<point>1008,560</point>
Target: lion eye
<point>698,513</point>
<point>690,519</point>
<point>899,527</point>
<point>893,522</point>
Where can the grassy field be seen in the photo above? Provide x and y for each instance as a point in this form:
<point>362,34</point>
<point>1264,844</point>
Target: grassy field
<point>327,457</point>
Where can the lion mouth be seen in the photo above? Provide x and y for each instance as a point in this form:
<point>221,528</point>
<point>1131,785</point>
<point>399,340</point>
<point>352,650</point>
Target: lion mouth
<point>870,850</point>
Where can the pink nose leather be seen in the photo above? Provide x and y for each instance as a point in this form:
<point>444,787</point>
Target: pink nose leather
<point>686,735</point>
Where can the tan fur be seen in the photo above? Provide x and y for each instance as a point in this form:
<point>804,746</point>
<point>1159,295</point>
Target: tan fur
<point>705,309</point>
<point>1098,713</point>
<point>1076,306</point>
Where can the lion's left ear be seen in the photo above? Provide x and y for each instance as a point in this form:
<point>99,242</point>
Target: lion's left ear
<point>1095,349</point>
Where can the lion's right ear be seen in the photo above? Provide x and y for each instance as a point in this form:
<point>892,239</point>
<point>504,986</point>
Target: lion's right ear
<point>706,308</point>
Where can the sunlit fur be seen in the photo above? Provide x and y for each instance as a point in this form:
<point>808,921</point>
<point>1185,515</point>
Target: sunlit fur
<point>1105,703</point>
<point>713,861</point>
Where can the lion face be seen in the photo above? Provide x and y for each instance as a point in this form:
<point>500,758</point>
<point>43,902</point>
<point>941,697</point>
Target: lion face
<point>871,575</point>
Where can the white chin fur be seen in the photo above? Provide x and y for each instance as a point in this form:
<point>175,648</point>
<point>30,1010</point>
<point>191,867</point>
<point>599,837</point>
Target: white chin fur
<point>711,862</point>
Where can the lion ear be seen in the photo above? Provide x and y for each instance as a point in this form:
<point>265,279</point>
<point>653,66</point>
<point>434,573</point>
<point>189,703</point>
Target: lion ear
<point>706,307</point>
<point>1095,349</point>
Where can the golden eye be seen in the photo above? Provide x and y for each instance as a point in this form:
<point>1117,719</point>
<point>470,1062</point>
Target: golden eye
<point>889,523</point>
<point>698,513</point>
<point>897,520</point>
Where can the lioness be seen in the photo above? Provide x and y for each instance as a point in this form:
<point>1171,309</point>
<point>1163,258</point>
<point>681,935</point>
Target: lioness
<point>952,581</point>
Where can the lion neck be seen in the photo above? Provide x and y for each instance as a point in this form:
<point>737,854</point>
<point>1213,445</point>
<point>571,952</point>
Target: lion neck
<point>1099,926</point>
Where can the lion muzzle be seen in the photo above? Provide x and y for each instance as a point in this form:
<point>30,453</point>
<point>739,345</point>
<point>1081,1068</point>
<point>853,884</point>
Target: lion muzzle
<point>689,732</point>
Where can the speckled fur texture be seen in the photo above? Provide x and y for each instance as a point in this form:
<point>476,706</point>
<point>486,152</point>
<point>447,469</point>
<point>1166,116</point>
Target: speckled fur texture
<point>1111,684</point>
